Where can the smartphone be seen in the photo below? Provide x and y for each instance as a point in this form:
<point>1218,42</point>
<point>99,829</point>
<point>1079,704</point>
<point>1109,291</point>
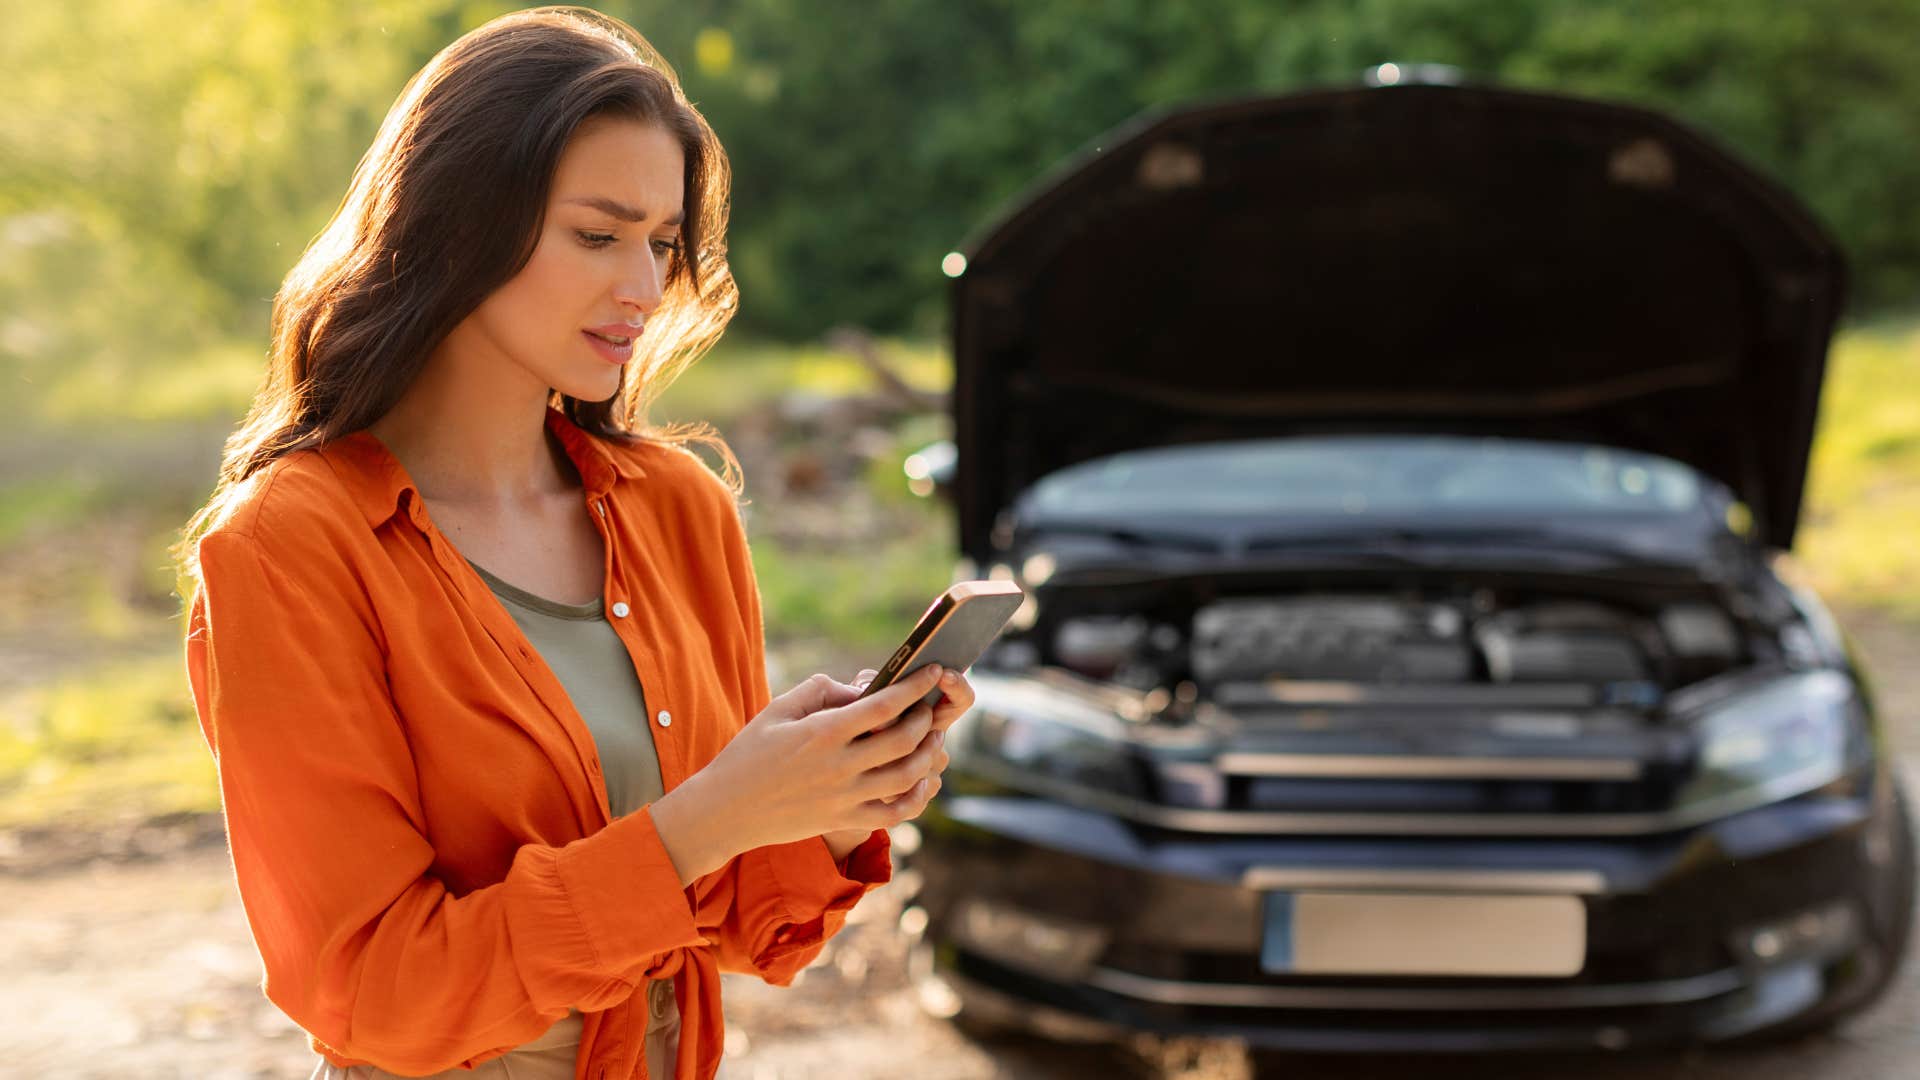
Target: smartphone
<point>953,632</point>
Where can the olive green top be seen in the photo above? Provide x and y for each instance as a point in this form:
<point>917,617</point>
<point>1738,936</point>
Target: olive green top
<point>592,664</point>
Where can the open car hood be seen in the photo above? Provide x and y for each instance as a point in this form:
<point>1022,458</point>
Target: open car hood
<point>1412,258</point>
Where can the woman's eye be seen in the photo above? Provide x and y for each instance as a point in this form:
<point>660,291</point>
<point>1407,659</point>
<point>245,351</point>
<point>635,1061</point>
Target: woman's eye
<point>596,240</point>
<point>666,248</point>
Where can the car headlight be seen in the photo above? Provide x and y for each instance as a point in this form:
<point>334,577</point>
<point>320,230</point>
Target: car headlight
<point>1784,739</point>
<point>1028,734</point>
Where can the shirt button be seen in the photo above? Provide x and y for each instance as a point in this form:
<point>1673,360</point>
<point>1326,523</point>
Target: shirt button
<point>620,609</point>
<point>665,718</point>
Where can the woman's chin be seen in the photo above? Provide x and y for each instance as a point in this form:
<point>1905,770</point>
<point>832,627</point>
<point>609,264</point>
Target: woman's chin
<point>590,388</point>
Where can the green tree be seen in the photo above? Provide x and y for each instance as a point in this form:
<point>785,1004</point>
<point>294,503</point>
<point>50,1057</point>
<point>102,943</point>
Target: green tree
<point>163,164</point>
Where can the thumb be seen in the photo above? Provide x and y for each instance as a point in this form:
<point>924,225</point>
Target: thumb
<point>816,693</point>
<point>847,693</point>
<point>841,694</point>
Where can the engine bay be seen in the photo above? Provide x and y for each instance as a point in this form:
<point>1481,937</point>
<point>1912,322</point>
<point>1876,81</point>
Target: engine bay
<point>1202,641</point>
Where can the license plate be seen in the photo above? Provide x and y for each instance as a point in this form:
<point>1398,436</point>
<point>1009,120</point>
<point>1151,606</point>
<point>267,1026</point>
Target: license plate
<point>1333,933</point>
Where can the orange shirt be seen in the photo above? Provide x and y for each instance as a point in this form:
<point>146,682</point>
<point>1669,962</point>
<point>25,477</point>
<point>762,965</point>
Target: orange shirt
<point>415,809</point>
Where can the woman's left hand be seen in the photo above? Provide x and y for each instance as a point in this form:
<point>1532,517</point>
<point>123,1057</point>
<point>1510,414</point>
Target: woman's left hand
<point>956,698</point>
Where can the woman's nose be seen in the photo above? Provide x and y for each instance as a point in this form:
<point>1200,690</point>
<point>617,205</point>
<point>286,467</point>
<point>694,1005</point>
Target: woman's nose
<point>640,286</point>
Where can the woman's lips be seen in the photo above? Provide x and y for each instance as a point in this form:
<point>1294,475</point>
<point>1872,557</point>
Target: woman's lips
<point>612,353</point>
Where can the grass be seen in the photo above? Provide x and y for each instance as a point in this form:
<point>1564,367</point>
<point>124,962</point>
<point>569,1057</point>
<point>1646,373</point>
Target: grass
<point>213,382</point>
<point>862,602</point>
<point>45,502</point>
<point>112,744</point>
<point>740,374</point>
<point>1860,533</point>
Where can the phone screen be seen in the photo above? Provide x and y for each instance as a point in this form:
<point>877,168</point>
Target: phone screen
<point>953,632</point>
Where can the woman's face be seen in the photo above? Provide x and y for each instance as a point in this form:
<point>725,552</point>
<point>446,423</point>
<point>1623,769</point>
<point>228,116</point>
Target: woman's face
<point>611,231</point>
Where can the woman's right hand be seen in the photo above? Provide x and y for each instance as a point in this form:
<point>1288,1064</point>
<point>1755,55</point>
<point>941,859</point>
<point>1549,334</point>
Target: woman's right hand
<point>801,768</point>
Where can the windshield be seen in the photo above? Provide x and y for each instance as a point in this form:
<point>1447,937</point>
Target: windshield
<point>1368,475</point>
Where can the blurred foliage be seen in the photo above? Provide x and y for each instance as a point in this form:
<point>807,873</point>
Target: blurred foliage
<point>116,743</point>
<point>1858,532</point>
<point>165,162</point>
<point>860,604</point>
<point>871,138</point>
<point>44,502</point>
<point>743,373</point>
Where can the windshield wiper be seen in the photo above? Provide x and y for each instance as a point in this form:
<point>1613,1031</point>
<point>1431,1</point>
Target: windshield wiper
<point>1396,545</point>
<point>1400,547</point>
<point>1133,535</point>
<point>1407,540</point>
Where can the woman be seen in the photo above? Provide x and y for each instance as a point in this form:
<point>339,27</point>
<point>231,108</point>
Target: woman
<point>478,654</point>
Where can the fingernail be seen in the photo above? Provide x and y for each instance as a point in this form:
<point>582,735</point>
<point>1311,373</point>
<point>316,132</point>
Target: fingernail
<point>950,677</point>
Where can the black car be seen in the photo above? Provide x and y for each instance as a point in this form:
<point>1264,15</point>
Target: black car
<point>1400,479</point>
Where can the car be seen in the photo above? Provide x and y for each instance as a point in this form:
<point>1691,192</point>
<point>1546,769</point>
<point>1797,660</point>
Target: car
<point>1402,479</point>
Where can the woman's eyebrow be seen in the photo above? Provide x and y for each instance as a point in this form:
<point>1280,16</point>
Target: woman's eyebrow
<point>619,209</point>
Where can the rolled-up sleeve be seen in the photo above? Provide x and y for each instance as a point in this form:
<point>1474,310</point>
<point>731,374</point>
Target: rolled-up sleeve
<point>770,910</point>
<point>361,945</point>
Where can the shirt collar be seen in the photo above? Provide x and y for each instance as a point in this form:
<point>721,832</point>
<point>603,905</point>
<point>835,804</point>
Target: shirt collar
<point>377,480</point>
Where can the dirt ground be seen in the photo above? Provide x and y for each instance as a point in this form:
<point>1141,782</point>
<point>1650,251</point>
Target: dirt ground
<point>127,956</point>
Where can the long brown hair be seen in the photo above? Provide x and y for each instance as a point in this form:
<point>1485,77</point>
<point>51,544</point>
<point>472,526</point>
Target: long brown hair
<point>445,207</point>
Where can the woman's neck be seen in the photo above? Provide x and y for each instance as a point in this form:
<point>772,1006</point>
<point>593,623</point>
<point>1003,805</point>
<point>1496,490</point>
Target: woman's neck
<point>474,433</point>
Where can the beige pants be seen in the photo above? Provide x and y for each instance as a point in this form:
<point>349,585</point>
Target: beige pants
<point>551,1056</point>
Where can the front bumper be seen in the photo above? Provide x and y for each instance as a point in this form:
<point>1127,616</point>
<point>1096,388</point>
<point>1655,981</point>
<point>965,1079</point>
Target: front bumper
<point>1669,921</point>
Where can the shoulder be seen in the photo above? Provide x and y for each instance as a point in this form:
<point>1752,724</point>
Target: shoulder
<point>673,472</point>
<point>688,499</point>
<point>297,505</point>
<point>292,550</point>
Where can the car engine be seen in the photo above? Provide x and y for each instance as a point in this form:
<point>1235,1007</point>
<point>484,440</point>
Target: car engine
<point>1362,639</point>
<point>1477,636</point>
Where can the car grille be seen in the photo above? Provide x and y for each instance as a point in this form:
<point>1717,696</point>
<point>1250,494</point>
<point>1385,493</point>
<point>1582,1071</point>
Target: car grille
<point>1461,795</point>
